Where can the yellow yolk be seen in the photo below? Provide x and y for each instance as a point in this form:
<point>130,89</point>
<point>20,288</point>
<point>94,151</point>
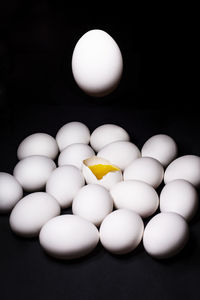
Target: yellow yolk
<point>101,170</point>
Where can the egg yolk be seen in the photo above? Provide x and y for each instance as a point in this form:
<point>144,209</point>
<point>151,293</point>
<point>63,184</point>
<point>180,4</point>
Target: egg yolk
<point>101,170</point>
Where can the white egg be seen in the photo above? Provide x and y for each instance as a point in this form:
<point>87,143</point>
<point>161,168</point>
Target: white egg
<point>185,167</point>
<point>165,235</point>
<point>120,153</point>
<point>181,197</point>
<point>98,170</point>
<point>10,192</point>
<point>146,169</point>
<point>161,147</point>
<point>32,212</point>
<point>135,195</point>
<point>93,203</point>
<point>121,231</point>
<point>32,172</point>
<point>38,144</point>
<point>106,134</point>
<point>75,154</point>
<point>68,237</point>
<point>71,133</point>
<point>64,183</point>
<point>97,63</point>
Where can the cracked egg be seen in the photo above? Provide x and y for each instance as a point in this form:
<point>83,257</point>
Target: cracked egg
<point>100,171</point>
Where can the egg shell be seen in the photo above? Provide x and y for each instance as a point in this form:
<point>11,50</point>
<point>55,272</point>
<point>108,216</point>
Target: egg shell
<point>32,172</point>
<point>75,154</point>
<point>64,183</point>
<point>135,195</point>
<point>71,133</point>
<point>97,63</point>
<point>68,237</point>
<point>10,192</point>
<point>106,134</point>
<point>145,169</point>
<point>108,180</point>
<point>93,203</point>
<point>120,153</point>
<point>38,144</point>
<point>121,231</point>
<point>181,197</point>
<point>161,147</point>
<point>185,167</point>
<point>32,212</point>
<point>165,235</point>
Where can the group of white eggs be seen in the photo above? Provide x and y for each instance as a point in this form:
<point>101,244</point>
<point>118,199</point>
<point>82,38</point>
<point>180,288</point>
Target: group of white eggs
<point>120,191</point>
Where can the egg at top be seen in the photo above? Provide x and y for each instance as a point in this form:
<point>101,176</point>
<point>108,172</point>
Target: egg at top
<point>97,63</point>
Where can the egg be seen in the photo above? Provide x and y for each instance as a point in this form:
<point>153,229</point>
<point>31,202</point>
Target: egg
<point>135,195</point>
<point>32,212</point>
<point>146,169</point>
<point>106,134</point>
<point>181,197</point>
<point>97,63</point>
<point>121,231</point>
<point>75,154</point>
<point>10,192</point>
<point>161,147</point>
<point>185,167</point>
<point>120,153</point>
<point>165,235</point>
<point>32,172</point>
<point>71,133</point>
<point>64,183</point>
<point>93,203</point>
<point>38,144</point>
<point>98,170</point>
<point>68,237</point>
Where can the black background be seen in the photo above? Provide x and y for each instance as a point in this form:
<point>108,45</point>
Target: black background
<point>157,94</point>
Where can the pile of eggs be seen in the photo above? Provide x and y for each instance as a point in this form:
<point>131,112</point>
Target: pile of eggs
<point>110,185</point>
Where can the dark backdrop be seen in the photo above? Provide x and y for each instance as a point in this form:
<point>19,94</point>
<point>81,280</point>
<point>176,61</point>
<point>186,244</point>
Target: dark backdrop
<point>157,94</point>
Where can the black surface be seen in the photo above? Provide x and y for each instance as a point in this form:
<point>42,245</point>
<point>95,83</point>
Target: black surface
<point>38,94</point>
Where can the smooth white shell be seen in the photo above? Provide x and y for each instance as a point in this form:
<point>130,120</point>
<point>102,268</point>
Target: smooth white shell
<point>185,167</point>
<point>109,180</point>
<point>38,144</point>
<point>32,212</point>
<point>106,134</point>
<point>121,231</point>
<point>181,197</point>
<point>165,235</point>
<point>146,169</point>
<point>120,153</point>
<point>161,147</point>
<point>97,63</point>
<point>68,237</point>
<point>32,172</point>
<point>10,192</point>
<point>64,183</point>
<point>93,202</point>
<point>135,195</point>
<point>71,133</point>
<point>75,154</point>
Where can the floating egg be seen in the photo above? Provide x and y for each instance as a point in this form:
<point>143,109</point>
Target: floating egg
<point>106,134</point>
<point>101,171</point>
<point>68,237</point>
<point>165,235</point>
<point>10,192</point>
<point>93,202</point>
<point>38,144</point>
<point>64,183</point>
<point>32,212</point>
<point>97,63</point>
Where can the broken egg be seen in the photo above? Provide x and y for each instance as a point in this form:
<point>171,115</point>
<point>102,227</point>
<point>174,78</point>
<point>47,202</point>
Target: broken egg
<point>100,171</point>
